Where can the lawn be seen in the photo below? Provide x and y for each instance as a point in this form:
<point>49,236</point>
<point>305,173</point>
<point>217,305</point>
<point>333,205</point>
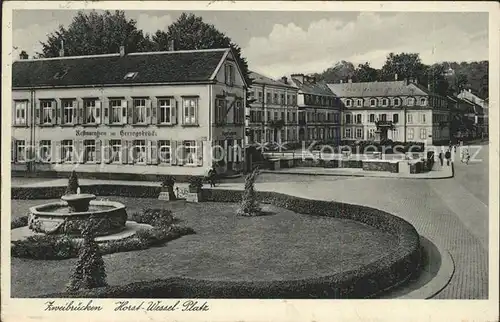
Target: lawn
<point>284,245</point>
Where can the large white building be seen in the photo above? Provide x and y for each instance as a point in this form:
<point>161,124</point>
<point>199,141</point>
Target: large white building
<point>401,111</point>
<point>137,114</point>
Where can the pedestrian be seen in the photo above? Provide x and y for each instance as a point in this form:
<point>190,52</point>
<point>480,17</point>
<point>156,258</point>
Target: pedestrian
<point>447,155</point>
<point>212,174</point>
<point>467,157</point>
<point>441,157</point>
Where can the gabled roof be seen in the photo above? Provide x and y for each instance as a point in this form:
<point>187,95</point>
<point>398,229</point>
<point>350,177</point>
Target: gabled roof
<point>261,79</point>
<point>190,66</point>
<point>370,89</point>
<point>316,88</point>
<point>478,109</point>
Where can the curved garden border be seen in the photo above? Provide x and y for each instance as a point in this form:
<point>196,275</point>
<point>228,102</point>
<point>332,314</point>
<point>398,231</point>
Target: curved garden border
<point>370,280</point>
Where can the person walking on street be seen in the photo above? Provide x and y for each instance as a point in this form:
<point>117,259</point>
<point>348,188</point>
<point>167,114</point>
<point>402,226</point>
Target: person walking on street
<point>441,158</point>
<point>447,155</point>
<point>212,174</point>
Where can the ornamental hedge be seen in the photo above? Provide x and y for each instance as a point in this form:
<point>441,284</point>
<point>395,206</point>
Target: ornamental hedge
<point>365,282</point>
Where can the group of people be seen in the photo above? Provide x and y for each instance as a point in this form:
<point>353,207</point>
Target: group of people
<point>464,157</point>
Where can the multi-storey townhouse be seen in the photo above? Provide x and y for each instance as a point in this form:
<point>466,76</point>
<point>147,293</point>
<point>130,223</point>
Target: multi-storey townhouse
<point>134,114</point>
<point>319,110</point>
<point>395,110</point>
<point>482,113</point>
<point>272,115</point>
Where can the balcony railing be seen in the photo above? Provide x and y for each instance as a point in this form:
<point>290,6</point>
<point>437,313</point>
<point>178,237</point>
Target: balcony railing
<point>276,123</point>
<point>384,124</point>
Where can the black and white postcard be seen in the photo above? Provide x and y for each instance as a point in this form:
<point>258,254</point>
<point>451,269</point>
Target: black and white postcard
<point>250,161</point>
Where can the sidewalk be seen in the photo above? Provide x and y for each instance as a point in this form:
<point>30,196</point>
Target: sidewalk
<point>439,173</point>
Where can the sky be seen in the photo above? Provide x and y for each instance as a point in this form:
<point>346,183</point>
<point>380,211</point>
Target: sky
<point>276,43</point>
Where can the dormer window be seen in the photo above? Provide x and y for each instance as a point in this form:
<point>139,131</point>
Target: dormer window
<point>385,102</point>
<point>423,101</point>
<point>359,102</point>
<point>411,101</point>
<point>348,103</point>
<point>373,102</point>
<point>60,74</point>
<point>130,75</point>
<point>397,101</point>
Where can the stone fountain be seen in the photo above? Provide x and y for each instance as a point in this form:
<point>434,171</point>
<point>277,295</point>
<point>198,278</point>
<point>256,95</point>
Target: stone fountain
<point>66,217</point>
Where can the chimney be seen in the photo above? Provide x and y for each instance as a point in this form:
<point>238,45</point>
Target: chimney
<point>470,90</point>
<point>61,51</point>
<point>171,45</point>
<point>284,80</point>
<point>23,55</point>
<point>341,81</point>
<point>298,77</point>
<point>429,87</point>
<point>122,51</point>
<point>349,80</point>
<point>406,81</point>
<point>396,77</point>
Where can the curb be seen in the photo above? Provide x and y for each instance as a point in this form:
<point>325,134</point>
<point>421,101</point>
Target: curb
<point>435,285</point>
<point>355,175</point>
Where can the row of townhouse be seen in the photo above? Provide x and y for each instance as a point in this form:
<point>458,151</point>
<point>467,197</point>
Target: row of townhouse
<point>399,110</point>
<point>175,112</point>
<point>293,109</point>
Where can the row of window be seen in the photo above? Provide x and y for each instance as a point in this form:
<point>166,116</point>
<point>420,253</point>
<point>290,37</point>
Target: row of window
<point>384,102</point>
<point>275,98</point>
<point>372,118</point>
<point>322,117</point>
<point>357,133</point>
<point>223,110</point>
<point>323,134</point>
<point>112,111</point>
<point>318,100</point>
<point>113,151</point>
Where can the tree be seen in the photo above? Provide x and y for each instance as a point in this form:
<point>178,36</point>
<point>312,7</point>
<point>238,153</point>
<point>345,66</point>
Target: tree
<point>249,205</point>
<point>72,184</point>
<point>365,73</point>
<point>342,70</point>
<point>96,33</point>
<point>190,32</point>
<point>405,65</point>
<point>89,271</point>
<point>436,79</point>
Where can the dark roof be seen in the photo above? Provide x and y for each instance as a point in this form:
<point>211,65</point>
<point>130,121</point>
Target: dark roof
<point>157,67</point>
<point>316,88</point>
<point>370,89</point>
<point>261,79</point>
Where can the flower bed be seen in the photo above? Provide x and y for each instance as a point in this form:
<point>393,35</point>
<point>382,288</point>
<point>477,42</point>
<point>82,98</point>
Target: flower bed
<point>367,281</point>
<point>45,247</point>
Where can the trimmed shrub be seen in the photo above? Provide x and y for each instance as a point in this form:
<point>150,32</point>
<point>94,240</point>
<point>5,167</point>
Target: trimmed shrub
<point>89,271</point>
<point>19,222</point>
<point>72,184</point>
<point>154,217</point>
<point>45,247</point>
<point>195,184</point>
<point>249,205</point>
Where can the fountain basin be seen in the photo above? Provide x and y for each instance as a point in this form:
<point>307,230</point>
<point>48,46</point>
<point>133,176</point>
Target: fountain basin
<point>78,202</point>
<point>59,217</point>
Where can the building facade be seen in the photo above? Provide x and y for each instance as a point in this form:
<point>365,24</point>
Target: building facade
<point>175,113</point>
<point>272,114</point>
<point>319,111</point>
<point>401,111</point>
<point>481,112</point>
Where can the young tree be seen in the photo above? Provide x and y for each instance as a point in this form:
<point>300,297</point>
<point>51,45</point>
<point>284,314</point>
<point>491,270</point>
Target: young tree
<point>89,271</point>
<point>72,184</point>
<point>249,205</point>
<point>96,33</point>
